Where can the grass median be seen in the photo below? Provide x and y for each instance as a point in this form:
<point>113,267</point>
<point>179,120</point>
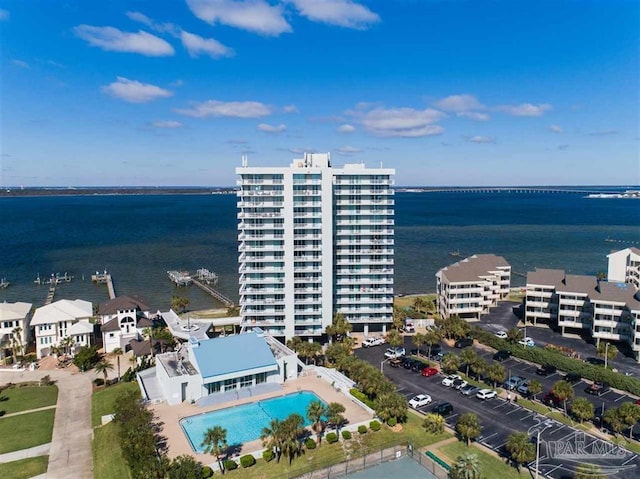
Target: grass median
<point>24,468</point>
<point>102,401</point>
<point>17,399</point>
<point>489,465</point>
<point>26,430</point>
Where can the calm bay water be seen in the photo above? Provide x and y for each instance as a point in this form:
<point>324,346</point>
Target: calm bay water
<point>138,238</point>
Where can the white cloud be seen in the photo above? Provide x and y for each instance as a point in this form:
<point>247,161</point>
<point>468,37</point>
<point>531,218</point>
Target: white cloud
<point>166,124</point>
<point>346,128</point>
<point>158,27</point>
<point>525,109</point>
<point>114,40</point>
<point>236,109</point>
<point>21,64</point>
<point>134,91</point>
<point>556,129</point>
<point>253,15</point>
<point>462,102</point>
<point>344,13</point>
<point>266,128</point>
<point>290,109</point>
<point>481,139</point>
<point>196,45</point>
<point>474,115</point>
<point>400,122</point>
<point>348,150</point>
<point>140,17</point>
<point>4,14</point>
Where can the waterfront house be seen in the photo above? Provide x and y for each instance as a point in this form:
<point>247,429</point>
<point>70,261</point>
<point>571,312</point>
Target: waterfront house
<point>123,319</point>
<point>219,369</point>
<point>471,286</point>
<point>60,320</point>
<point>624,266</point>
<point>14,327</point>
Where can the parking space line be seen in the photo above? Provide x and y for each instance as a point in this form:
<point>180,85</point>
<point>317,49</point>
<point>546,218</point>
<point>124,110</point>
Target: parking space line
<point>621,397</point>
<point>517,409</point>
<point>557,467</point>
<point>527,416</point>
<point>629,460</point>
<point>500,405</point>
<point>490,435</point>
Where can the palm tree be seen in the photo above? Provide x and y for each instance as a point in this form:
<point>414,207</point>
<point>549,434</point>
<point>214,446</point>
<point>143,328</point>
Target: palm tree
<point>450,363</point>
<point>293,427</point>
<point>66,344</point>
<point>629,413</point>
<point>103,367</point>
<point>16,343</point>
<point>390,405</point>
<point>118,352</point>
<point>614,420</point>
<point>607,350</point>
<point>272,437</point>
<point>418,340</point>
<point>514,335</point>
<point>339,328</point>
<point>334,415</point>
<point>215,443</point>
<point>434,423</point>
<point>564,392</point>
<point>496,373</point>
<point>479,367</point>
<point>148,334</point>
<point>466,466</point>
<point>179,303</point>
<point>433,336</point>
<point>520,448</point>
<point>534,388</point>
<point>469,357</point>
<point>419,304</point>
<point>316,412</point>
<point>582,408</point>
<point>394,338</point>
<point>468,426</point>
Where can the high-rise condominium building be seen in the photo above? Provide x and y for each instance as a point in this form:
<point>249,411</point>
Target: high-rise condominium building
<point>313,241</point>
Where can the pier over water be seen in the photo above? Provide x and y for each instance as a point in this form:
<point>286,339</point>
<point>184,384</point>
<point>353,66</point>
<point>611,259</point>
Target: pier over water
<point>505,189</point>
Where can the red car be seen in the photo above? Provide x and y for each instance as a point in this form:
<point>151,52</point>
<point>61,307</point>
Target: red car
<point>428,372</point>
<point>638,402</point>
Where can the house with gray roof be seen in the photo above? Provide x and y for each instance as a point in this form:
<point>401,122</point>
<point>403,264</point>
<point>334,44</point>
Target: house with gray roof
<point>471,286</point>
<point>123,319</point>
<point>541,301</point>
<point>219,369</point>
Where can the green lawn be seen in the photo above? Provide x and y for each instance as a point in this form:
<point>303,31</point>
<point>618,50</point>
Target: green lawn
<point>108,462</point>
<point>550,413</point>
<point>26,430</point>
<point>103,400</point>
<point>24,468</point>
<point>624,442</point>
<point>490,466</point>
<point>16,399</point>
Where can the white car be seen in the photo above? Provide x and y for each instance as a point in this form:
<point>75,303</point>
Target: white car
<point>368,342</point>
<point>501,334</point>
<point>419,401</point>
<point>391,353</point>
<point>486,394</point>
<point>448,381</point>
<point>527,342</point>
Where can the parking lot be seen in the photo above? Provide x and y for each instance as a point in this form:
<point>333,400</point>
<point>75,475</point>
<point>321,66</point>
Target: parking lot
<point>499,418</point>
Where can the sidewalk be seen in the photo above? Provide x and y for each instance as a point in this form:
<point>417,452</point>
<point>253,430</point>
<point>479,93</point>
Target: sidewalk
<point>41,450</point>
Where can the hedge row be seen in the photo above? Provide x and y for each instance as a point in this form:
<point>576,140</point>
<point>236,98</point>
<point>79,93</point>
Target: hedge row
<point>356,393</point>
<point>562,362</point>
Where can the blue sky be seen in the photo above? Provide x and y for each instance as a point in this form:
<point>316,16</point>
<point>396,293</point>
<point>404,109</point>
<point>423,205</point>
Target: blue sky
<point>446,92</point>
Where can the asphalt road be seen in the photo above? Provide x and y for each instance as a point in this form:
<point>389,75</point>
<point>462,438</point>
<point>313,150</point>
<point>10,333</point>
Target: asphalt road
<point>500,418</point>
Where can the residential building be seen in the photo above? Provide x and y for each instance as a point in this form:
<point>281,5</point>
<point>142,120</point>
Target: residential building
<point>315,240</point>
<point>541,302</point>
<point>60,320</point>
<point>624,266</point>
<point>471,286</point>
<point>575,311</point>
<point>123,319</point>
<point>14,327</point>
<point>220,369</point>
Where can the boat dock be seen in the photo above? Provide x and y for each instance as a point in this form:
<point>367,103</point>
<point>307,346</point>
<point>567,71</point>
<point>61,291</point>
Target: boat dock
<point>207,276</point>
<point>105,278</point>
<point>180,278</point>
<point>216,294</point>
<point>4,283</point>
<point>51,293</point>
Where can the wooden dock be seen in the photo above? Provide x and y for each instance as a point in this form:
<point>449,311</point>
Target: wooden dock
<point>105,278</point>
<point>51,293</point>
<point>216,294</point>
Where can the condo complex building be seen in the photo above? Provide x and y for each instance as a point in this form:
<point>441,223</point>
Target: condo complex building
<point>315,240</point>
<point>608,310</point>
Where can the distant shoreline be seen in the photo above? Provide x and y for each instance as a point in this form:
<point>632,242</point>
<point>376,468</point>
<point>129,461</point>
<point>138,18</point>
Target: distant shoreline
<point>114,191</point>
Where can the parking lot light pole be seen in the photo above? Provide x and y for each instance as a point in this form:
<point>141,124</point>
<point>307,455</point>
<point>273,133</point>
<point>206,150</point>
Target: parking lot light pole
<point>606,354</point>
<point>382,366</point>
<point>537,452</point>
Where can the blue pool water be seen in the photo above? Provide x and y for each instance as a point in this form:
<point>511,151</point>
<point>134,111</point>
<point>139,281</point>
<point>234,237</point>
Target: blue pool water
<point>244,423</point>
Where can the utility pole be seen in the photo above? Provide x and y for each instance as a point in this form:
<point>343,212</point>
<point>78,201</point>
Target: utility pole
<point>606,354</point>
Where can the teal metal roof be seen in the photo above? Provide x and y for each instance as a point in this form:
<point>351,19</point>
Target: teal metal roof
<point>232,354</point>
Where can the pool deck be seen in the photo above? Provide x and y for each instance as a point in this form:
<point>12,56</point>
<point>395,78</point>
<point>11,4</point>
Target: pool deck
<point>178,443</point>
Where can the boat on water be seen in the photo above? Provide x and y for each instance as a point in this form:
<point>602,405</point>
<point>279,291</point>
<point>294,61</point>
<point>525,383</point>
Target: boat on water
<point>4,283</point>
<point>455,254</point>
<point>628,194</point>
<point>54,279</point>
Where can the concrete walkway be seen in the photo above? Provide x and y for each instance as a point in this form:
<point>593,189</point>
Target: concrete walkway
<point>41,450</point>
<point>30,411</point>
<point>70,450</point>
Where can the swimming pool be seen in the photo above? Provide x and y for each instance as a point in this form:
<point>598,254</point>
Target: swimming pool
<point>244,423</point>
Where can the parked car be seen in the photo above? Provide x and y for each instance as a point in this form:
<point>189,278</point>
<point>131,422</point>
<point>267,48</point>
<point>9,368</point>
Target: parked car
<point>394,352</point>
<point>409,328</point>
<point>408,363</point>
<point>419,401</point>
<point>429,371</point>
<point>598,388</point>
<point>486,394</point>
<point>418,352</point>
<point>448,381</point>
<point>546,370</point>
<point>395,362</point>
<point>595,361</point>
<point>502,355</point>
<point>369,342</point>
<point>637,402</point>
<point>501,334</point>
<point>551,400</point>
<point>464,343</point>
<point>459,384</point>
<point>469,390</point>
<point>444,409</point>
<point>572,378</point>
<point>527,341</point>
<point>417,366</point>
<point>513,382</point>
<point>438,356</point>
<point>523,388</point>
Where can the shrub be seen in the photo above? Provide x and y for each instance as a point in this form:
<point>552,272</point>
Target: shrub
<point>207,472</point>
<point>332,437</point>
<point>268,455</point>
<point>362,429</point>
<point>229,465</point>
<point>356,393</point>
<point>310,444</point>
<point>346,435</point>
<point>392,421</point>
<point>247,460</point>
<point>374,426</point>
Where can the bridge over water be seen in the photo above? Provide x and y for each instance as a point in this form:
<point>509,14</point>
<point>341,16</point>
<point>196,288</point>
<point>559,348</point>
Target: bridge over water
<point>506,189</point>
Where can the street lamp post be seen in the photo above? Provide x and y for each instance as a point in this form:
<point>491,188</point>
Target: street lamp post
<point>537,452</point>
<point>382,366</point>
<point>606,354</point>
